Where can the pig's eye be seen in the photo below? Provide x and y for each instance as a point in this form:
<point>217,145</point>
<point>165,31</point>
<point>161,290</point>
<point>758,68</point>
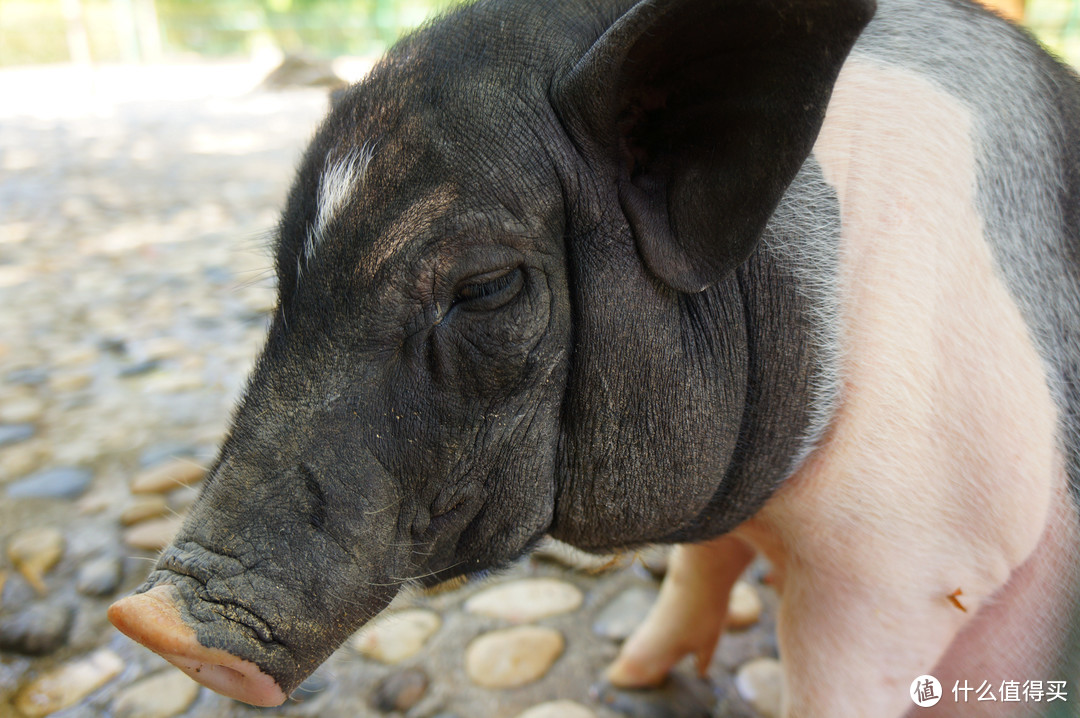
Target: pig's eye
<point>490,290</point>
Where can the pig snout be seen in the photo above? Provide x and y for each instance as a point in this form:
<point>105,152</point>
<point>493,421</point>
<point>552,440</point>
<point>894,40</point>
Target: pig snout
<point>266,579</point>
<point>153,619</point>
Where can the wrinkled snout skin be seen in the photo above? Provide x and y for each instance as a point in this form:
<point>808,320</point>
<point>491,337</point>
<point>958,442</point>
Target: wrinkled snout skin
<point>797,277</point>
<point>244,578</point>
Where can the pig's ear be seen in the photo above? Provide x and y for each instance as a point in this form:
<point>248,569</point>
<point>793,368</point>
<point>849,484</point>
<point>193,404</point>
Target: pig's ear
<point>705,110</point>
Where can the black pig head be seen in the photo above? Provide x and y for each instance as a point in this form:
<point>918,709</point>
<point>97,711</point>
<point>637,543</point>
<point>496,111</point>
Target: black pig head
<point>518,294</point>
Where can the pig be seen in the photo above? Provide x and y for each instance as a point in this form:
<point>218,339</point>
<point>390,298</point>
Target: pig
<point>790,277</point>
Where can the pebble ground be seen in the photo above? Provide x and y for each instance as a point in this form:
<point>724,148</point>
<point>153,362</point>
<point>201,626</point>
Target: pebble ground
<point>135,210</point>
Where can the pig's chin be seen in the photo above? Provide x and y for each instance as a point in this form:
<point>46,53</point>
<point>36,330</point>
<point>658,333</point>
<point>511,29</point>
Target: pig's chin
<point>154,620</point>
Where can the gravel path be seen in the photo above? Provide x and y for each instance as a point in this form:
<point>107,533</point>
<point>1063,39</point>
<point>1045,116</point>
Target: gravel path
<point>134,279</point>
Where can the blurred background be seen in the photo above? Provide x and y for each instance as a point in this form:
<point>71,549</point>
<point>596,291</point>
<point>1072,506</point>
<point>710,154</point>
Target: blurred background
<point>50,31</point>
<point>47,31</point>
<point>146,147</point>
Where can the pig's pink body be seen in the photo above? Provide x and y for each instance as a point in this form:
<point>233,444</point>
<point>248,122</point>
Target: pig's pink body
<point>940,468</point>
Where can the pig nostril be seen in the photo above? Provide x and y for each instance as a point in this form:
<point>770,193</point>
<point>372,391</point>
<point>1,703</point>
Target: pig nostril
<point>246,683</point>
<point>232,673</point>
<point>219,671</point>
<point>153,619</point>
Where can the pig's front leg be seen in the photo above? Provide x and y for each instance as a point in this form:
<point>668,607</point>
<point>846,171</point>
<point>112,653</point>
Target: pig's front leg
<point>689,615</point>
<point>852,647</point>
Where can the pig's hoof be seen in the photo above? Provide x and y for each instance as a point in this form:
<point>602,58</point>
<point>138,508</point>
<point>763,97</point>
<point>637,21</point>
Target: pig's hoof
<point>153,620</point>
<point>678,697</point>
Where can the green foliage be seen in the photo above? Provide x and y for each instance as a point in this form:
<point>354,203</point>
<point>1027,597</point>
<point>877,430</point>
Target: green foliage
<point>315,27</point>
<point>34,31</point>
<point>1057,23</point>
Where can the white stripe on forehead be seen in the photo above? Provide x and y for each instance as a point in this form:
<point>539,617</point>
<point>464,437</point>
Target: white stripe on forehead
<point>340,178</point>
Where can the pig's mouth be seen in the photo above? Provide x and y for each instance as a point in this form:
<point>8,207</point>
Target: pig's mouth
<point>153,619</point>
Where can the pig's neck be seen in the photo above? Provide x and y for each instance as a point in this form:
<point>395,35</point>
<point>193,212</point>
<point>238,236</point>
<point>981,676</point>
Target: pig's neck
<point>791,304</point>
